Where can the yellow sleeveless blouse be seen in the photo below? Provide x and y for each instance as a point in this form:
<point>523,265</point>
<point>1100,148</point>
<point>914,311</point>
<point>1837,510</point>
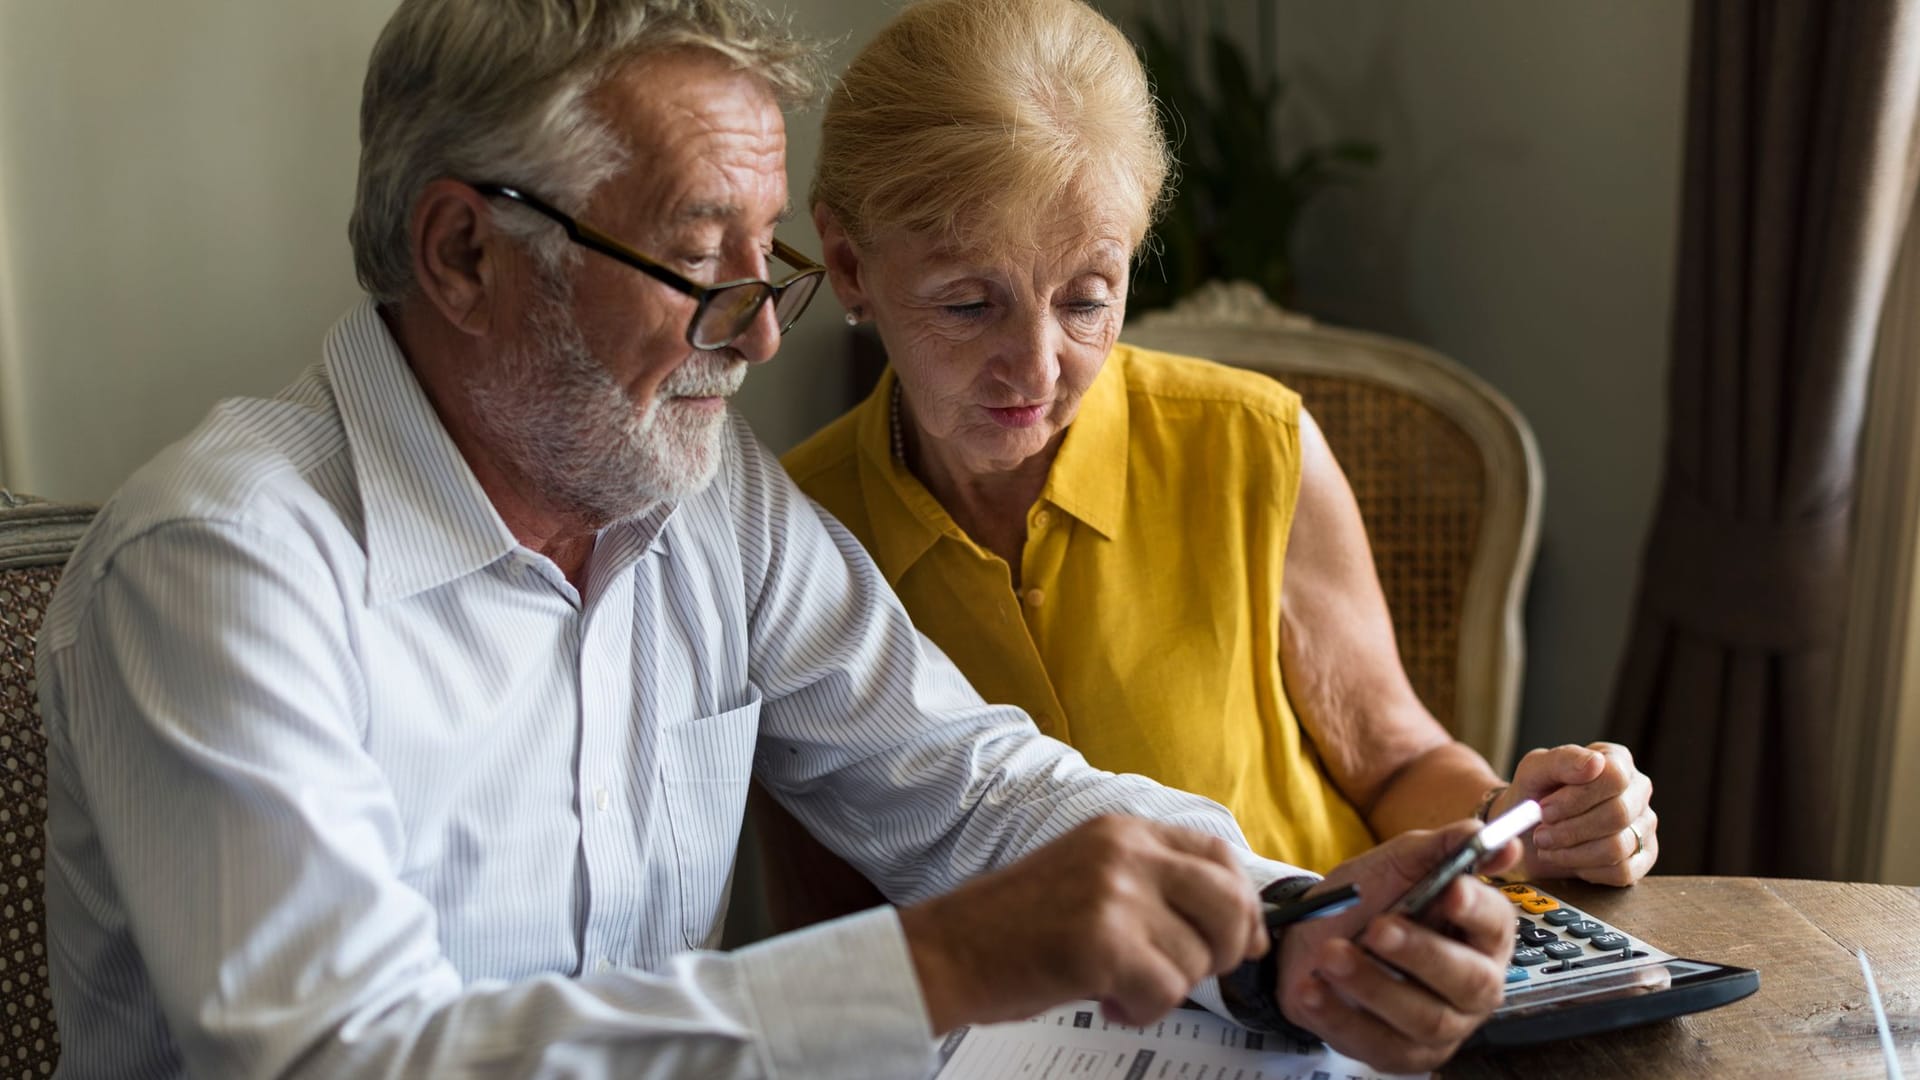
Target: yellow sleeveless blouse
<point>1146,632</point>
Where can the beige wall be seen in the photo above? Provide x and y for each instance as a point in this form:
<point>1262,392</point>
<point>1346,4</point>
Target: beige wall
<point>174,186</point>
<point>175,179</point>
<point>1523,221</point>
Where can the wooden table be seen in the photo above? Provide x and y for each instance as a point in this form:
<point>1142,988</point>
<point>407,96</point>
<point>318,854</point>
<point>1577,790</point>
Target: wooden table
<point>1810,1016</point>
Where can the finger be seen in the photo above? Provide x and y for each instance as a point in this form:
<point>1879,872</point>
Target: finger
<point>1615,847</point>
<point>1479,914</point>
<point>1321,1008</point>
<point>1201,927</point>
<point>1613,775</point>
<point>1219,906</point>
<point>1599,820</point>
<point>1635,866</point>
<point>1545,770</point>
<point>1412,854</point>
<point>1460,973</point>
<point>1457,976</point>
<point>1144,989</point>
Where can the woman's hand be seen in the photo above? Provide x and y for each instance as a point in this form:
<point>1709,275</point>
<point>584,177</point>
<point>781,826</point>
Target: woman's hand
<point>1596,819</point>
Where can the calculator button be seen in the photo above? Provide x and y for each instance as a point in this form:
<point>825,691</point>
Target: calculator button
<point>1563,917</point>
<point>1538,905</point>
<point>1561,950</point>
<point>1608,941</point>
<point>1517,893</point>
<point>1596,961</point>
<point>1516,974</point>
<point>1528,957</point>
<point>1523,922</point>
<point>1533,935</point>
<point>1585,928</point>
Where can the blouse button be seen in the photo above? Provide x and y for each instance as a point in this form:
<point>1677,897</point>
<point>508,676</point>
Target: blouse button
<point>1042,518</point>
<point>1036,597</point>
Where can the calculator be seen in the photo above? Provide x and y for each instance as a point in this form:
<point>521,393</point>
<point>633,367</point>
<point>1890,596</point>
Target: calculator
<point>1572,974</point>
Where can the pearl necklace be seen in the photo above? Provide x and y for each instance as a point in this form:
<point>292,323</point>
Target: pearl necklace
<point>893,421</point>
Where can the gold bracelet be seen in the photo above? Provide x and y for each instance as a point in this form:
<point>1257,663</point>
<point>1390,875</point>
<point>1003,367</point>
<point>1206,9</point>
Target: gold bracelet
<point>1486,803</point>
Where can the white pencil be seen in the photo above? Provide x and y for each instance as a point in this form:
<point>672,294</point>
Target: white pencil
<point>1880,1019</point>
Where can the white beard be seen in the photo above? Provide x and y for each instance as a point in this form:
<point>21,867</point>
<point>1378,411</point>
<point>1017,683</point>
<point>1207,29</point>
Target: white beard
<point>571,431</point>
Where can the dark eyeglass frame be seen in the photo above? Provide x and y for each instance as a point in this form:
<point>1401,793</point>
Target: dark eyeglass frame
<point>805,282</point>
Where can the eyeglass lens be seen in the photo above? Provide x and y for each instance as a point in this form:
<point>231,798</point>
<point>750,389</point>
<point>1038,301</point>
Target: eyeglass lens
<point>798,294</point>
<point>728,312</point>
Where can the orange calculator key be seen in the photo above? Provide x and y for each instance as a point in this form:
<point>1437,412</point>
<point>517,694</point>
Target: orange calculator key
<point>1520,893</point>
<point>1537,904</point>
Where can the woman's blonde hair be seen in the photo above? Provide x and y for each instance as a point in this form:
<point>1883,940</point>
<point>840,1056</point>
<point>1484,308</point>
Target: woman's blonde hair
<point>969,118</point>
<point>497,91</point>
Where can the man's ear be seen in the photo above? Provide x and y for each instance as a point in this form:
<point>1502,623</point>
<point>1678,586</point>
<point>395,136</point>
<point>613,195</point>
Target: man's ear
<point>456,254</point>
<point>842,259</point>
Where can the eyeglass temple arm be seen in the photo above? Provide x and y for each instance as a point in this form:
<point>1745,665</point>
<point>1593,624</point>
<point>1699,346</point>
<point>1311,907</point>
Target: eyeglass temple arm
<point>589,237</point>
<point>790,255</point>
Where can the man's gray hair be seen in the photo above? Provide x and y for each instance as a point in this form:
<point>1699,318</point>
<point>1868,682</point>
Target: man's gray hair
<point>497,90</point>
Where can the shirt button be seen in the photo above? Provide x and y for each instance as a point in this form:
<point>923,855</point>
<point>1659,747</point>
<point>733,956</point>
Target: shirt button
<point>600,799</point>
<point>1042,518</point>
<point>1035,597</point>
<point>602,965</point>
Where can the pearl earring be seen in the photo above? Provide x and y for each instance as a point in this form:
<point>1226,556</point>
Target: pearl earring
<point>853,318</point>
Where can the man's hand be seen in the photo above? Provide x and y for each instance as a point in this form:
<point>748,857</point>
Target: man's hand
<point>1408,993</point>
<point>1131,912</point>
<point>1597,821</point>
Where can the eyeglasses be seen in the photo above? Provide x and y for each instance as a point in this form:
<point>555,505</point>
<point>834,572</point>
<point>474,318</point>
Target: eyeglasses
<point>722,312</point>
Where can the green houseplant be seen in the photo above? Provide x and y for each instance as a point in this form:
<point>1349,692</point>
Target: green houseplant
<point>1239,192</point>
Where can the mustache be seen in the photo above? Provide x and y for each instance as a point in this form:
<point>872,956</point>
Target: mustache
<point>706,375</point>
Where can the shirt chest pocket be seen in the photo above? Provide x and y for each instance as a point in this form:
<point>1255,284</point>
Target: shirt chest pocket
<point>707,763</point>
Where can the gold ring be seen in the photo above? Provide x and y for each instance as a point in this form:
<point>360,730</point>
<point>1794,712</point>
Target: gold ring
<point>1639,844</point>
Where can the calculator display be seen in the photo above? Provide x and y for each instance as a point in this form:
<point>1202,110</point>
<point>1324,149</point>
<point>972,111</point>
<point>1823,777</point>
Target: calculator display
<point>1607,987</point>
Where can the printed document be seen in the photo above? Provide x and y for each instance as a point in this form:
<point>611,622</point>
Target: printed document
<point>1073,1042</point>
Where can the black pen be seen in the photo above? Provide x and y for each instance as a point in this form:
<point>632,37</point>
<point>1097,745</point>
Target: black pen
<point>1331,902</point>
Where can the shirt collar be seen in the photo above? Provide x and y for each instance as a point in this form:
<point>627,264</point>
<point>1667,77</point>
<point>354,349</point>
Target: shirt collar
<point>428,520</point>
<point>1088,479</point>
<point>1089,475</point>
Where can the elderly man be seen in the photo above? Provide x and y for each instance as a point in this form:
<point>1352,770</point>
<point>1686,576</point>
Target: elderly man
<point>402,724</point>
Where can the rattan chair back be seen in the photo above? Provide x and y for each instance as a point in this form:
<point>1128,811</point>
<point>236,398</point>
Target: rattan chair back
<point>1448,481</point>
<point>35,540</point>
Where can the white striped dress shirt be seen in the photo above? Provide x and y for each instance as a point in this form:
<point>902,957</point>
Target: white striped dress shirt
<point>344,781</point>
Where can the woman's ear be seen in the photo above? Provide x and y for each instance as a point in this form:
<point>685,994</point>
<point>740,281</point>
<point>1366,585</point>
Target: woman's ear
<point>842,259</point>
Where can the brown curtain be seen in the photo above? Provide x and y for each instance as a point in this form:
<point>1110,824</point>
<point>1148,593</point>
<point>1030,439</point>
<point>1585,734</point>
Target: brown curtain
<point>1799,143</point>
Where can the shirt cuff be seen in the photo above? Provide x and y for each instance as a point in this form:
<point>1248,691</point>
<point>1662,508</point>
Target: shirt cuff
<point>1264,872</point>
<point>840,1000</point>
<point>1276,882</point>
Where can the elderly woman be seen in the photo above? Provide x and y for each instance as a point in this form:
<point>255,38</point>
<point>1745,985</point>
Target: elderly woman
<point>1158,557</point>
